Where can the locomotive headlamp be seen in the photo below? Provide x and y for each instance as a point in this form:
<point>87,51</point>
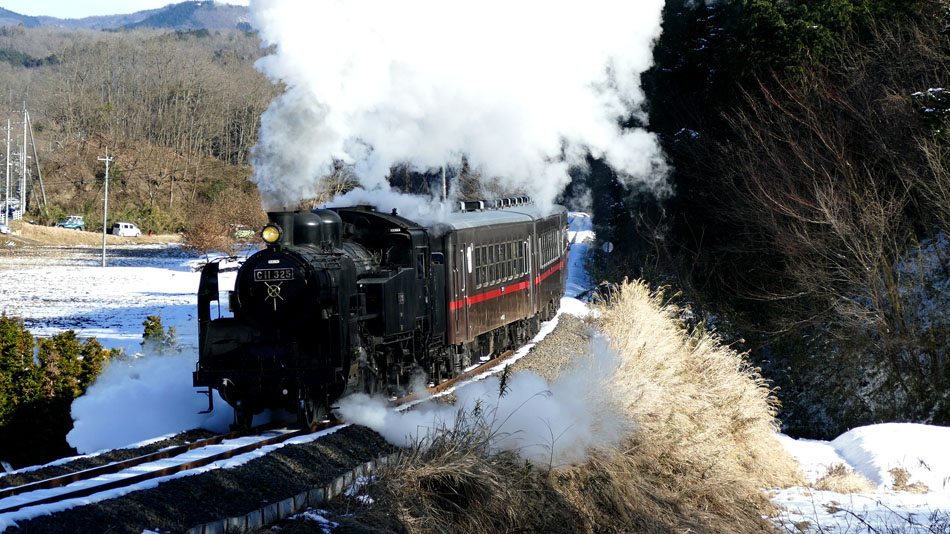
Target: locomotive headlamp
<point>271,233</point>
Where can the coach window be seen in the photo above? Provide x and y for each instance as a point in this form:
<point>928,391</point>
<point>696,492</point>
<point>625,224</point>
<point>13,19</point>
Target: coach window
<point>491,264</point>
<point>484,265</point>
<point>506,258</point>
<point>544,249</point>
<point>521,246</point>
<point>502,262</point>
<point>478,276</point>
<point>550,247</point>
<point>478,263</point>
<point>478,267</point>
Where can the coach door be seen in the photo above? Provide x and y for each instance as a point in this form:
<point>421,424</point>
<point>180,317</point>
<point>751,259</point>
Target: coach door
<point>462,265</point>
<point>529,263</point>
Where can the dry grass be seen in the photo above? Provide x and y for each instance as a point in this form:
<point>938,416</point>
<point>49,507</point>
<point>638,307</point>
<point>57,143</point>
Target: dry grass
<point>841,479</point>
<point>34,234</point>
<point>704,449</point>
<point>707,419</point>
<point>450,483</point>
<point>900,476</point>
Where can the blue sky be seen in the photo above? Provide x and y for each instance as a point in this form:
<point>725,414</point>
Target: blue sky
<point>73,9</point>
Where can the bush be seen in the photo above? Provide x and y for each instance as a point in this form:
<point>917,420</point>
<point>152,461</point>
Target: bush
<point>156,340</point>
<point>20,377</point>
<point>36,393</point>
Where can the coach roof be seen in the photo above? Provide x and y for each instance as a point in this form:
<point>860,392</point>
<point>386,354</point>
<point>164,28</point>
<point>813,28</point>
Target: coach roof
<point>472,219</point>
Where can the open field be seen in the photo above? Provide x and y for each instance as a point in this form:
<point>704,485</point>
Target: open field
<point>34,234</point>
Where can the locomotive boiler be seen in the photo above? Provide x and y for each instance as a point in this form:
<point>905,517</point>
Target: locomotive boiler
<point>356,299</point>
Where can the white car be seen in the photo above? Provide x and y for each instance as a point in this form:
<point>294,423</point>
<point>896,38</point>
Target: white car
<point>125,229</point>
<point>4,229</point>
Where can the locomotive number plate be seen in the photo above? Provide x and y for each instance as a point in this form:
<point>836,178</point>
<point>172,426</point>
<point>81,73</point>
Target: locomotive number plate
<point>272,275</point>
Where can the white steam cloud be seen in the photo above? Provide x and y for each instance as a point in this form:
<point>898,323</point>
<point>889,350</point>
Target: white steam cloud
<point>521,90</point>
<point>553,423</point>
<point>141,399</point>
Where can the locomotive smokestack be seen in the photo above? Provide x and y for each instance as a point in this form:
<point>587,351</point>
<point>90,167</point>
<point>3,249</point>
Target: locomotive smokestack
<point>318,227</point>
<point>331,227</point>
<point>284,219</point>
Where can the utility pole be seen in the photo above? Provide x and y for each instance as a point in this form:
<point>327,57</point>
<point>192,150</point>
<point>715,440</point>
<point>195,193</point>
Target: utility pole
<point>23,168</point>
<point>105,207</point>
<point>6,195</point>
<point>36,159</point>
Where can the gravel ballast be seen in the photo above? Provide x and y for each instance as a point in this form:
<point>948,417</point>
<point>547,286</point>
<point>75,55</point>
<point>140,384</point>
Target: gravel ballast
<point>179,504</point>
<point>82,463</point>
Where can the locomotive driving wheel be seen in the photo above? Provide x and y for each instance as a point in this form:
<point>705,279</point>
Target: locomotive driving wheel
<point>310,412</point>
<point>243,419</point>
<point>369,381</point>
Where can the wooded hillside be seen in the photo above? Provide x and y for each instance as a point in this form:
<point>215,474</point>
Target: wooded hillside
<point>809,146</point>
<point>177,110</point>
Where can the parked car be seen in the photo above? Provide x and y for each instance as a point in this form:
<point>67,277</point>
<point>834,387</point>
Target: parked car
<point>125,229</point>
<point>243,232</point>
<point>4,229</point>
<point>75,222</point>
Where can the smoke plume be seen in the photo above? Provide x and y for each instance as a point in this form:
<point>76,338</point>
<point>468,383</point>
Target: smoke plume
<point>549,423</point>
<point>522,90</point>
<point>139,399</point>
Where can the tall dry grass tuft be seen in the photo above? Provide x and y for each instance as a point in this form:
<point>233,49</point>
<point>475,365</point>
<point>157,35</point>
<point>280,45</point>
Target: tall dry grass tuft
<point>694,397</point>
<point>842,479</point>
<point>449,481</point>
<point>702,452</point>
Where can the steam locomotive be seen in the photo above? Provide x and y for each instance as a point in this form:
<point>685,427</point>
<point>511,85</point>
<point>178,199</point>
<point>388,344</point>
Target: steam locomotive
<point>354,299</point>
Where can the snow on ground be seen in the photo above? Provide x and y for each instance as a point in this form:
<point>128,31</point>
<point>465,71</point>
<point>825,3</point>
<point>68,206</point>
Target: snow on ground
<point>57,288</point>
<point>54,289</point>
<point>872,451</point>
<point>581,236</point>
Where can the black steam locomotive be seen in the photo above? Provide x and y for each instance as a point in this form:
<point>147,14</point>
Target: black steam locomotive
<point>353,299</point>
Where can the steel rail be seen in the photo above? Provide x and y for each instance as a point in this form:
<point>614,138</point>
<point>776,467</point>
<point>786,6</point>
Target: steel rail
<point>458,378</point>
<point>115,467</point>
<point>201,462</point>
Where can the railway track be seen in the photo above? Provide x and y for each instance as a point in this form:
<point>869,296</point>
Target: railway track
<point>119,474</point>
<point>454,381</point>
<point>44,491</point>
